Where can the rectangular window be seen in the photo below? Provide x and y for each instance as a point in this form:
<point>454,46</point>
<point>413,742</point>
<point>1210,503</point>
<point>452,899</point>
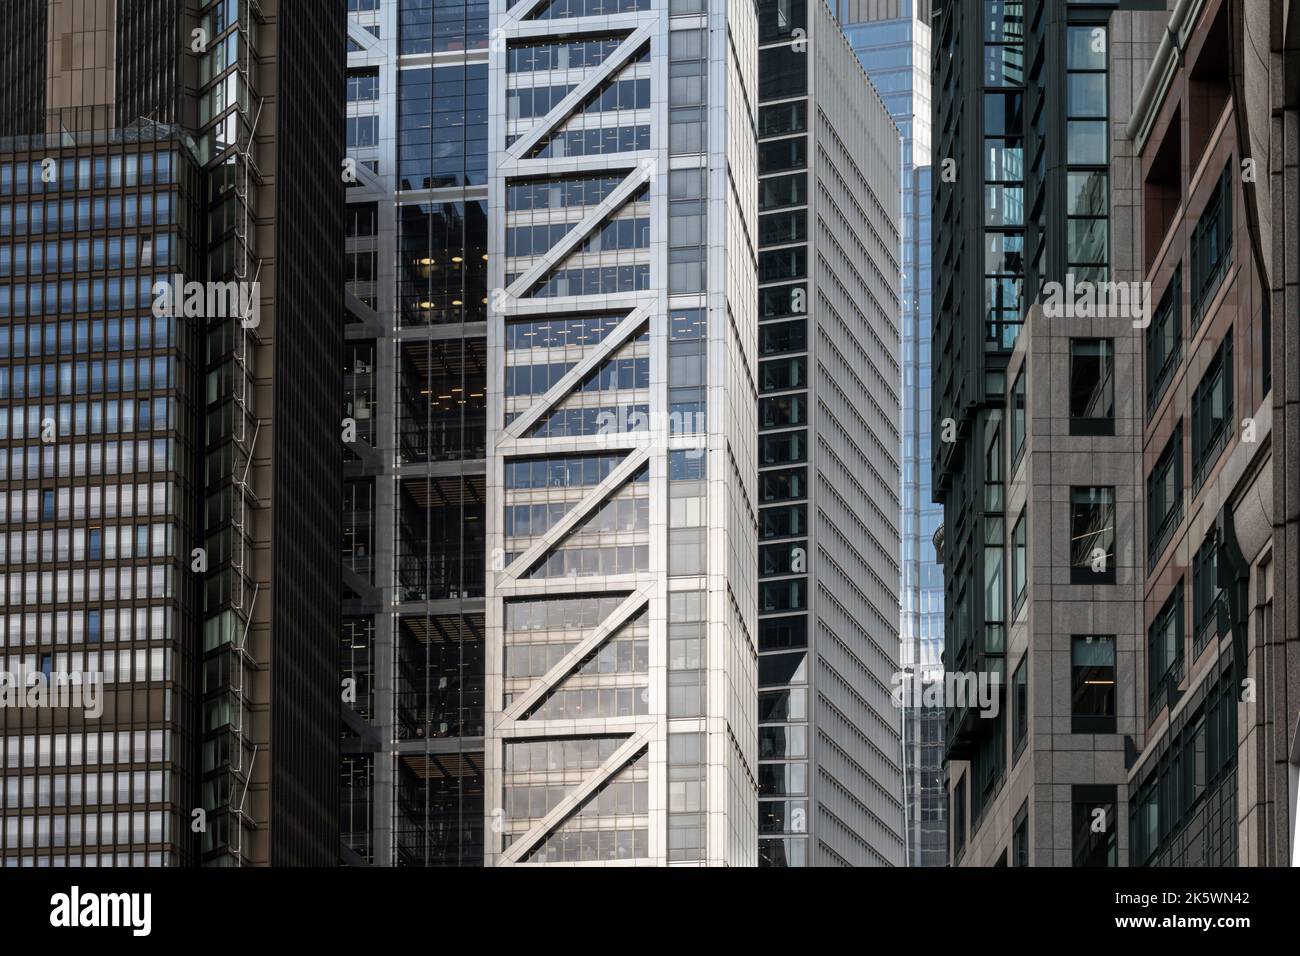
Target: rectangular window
<point>363,86</point>
<point>1092,387</point>
<point>1017,420</point>
<point>1164,340</point>
<point>1211,245</point>
<point>1165,497</point>
<point>1092,680</point>
<point>1092,535</point>
<point>1019,708</point>
<point>1165,651</point>
<point>1206,594</point>
<point>1020,837</point>
<point>1093,813</point>
<point>1019,571</point>
<point>958,815</point>
<point>1212,412</point>
<point>1087,153</point>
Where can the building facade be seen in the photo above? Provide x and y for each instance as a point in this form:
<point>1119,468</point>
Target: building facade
<point>893,42</point>
<point>168,537</point>
<point>1111,547</point>
<point>416,251</point>
<point>621,596</point>
<point>1212,783</point>
<point>830,750</point>
<point>1036,450</point>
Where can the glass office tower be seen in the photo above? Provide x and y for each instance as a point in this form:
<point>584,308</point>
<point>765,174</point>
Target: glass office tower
<point>893,44</point>
<point>830,771</point>
<point>155,458</point>
<point>415,246</point>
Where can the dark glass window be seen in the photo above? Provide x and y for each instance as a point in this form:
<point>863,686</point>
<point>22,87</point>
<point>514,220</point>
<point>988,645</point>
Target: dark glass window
<point>1020,837</point>
<point>777,264</point>
<point>788,557</point>
<point>784,484</point>
<point>777,337</point>
<point>1017,420</point>
<point>1165,651</point>
<point>1019,569</point>
<point>780,633</point>
<point>781,301</point>
<point>1211,244</point>
<point>1092,679</point>
<point>775,156</point>
<point>777,19</point>
<point>778,191</point>
<point>1206,594</point>
<point>1165,496</point>
<point>778,228</point>
<point>1164,339</point>
<point>782,72</point>
<point>1092,387</point>
<point>1093,813</point>
<point>1212,412</point>
<point>783,118</point>
<point>1020,707</point>
<point>780,374</point>
<point>1092,535</point>
<point>784,522</point>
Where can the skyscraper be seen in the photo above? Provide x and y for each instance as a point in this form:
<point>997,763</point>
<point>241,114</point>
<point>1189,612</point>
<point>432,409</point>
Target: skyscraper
<point>415,281</point>
<point>621,599</point>
<point>1040,572</point>
<point>830,775</point>
<point>1218,696</point>
<point>893,43</point>
<point>170,480</point>
<point>1111,534</point>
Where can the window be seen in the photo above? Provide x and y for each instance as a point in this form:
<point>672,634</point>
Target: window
<point>1211,245</point>
<point>1093,813</point>
<point>958,816</point>
<point>1212,412</point>
<point>1087,153</point>
<point>1092,679</point>
<point>1019,707</point>
<point>363,86</point>
<point>1018,568</point>
<point>1164,341</point>
<point>777,19</point>
<point>1003,175</point>
<point>1206,594</point>
<point>1165,496</point>
<point>1165,651</point>
<point>1092,387</point>
<point>362,131</point>
<point>1017,420</point>
<point>1092,535</point>
<point>1020,837</point>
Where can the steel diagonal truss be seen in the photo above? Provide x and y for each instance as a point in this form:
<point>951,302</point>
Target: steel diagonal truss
<point>636,601</point>
<point>562,110</point>
<point>573,800</point>
<point>633,593</point>
<point>582,230</point>
<point>615,480</point>
<point>592,360</point>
